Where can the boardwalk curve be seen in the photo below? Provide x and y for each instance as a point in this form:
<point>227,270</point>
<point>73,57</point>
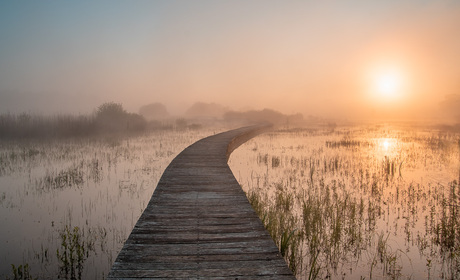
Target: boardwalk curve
<point>199,223</point>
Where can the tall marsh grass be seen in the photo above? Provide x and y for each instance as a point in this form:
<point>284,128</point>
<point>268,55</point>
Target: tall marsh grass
<point>36,126</point>
<point>67,205</point>
<point>369,203</point>
<point>108,119</point>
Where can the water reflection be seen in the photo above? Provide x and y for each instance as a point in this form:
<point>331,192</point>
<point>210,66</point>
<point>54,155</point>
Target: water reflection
<point>66,207</point>
<point>387,145</point>
<point>366,202</point>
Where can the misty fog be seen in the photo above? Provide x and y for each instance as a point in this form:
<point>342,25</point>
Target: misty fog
<point>292,57</point>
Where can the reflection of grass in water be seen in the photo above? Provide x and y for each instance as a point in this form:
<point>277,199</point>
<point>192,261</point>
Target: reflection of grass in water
<point>391,165</point>
<point>280,223</point>
<point>341,197</point>
<point>73,176</point>
<point>446,229</point>
<point>387,257</point>
<point>103,181</point>
<point>70,177</point>
<point>22,272</point>
<point>345,142</point>
<point>333,226</point>
<point>75,248</point>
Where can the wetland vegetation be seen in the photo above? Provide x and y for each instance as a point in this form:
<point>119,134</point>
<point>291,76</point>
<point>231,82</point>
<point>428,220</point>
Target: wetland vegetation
<point>68,204</point>
<point>361,202</point>
<point>72,187</point>
<point>351,202</point>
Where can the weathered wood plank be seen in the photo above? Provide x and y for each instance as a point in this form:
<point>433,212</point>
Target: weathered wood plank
<point>262,277</point>
<point>199,224</point>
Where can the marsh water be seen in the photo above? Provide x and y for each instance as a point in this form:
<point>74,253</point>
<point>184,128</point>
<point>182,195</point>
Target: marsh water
<point>67,206</point>
<point>369,202</point>
<point>358,202</point>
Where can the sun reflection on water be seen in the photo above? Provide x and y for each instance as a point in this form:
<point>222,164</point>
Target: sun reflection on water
<point>386,144</point>
<point>387,147</point>
<point>396,176</point>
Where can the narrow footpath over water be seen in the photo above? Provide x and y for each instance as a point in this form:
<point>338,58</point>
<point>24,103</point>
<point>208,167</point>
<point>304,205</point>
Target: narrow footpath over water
<point>199,223</point>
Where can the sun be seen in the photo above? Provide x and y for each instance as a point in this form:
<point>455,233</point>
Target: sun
<point>387,84</point>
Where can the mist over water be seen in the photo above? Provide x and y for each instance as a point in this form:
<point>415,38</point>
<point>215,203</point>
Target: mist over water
<point>97,98</point>
<point>362,201</point>
<point>321,59</point>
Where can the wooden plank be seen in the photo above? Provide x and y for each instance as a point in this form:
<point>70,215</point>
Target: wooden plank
<point>199,223</point>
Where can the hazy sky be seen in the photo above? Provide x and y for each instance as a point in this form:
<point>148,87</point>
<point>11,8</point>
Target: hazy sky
<point>326,58</point>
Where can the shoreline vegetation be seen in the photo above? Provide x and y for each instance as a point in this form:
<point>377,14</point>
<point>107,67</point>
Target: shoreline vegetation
<point>68,204</point>
<point>369,202</point>
<point>111,118</point>
<point>57,169</point>
<point>108,118</point>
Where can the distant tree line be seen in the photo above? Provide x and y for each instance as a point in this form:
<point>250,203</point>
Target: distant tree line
<point>108,118</point>
<point>265,115</point>
<point>211,113</point>
<point>111,118</point>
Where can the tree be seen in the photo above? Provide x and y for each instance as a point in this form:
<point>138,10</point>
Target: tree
<point>135,122</point>
<point>111,116</point>
<point>154,111</point>
<point>110,111</point>
<point>206,110</point>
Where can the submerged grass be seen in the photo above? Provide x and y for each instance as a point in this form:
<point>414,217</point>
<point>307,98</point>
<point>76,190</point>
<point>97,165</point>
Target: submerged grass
<point>68,205</point>
<point>373,204</point>
<point>21,272</point>
<point>73,252</point>
<point>281,225</point>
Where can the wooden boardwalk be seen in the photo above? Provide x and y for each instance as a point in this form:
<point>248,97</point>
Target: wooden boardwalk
<point>199,223</point>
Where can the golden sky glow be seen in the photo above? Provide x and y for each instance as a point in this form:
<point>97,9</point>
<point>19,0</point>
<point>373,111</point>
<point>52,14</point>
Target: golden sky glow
<point>329,58</point>
<point>388,84</point>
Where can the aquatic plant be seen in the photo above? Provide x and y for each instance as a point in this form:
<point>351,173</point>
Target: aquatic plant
<point>100,185</point>
<point>72,176</point>
<point>364,204</point>
<point>280,224</point>
<point>74,250</point>
<point>21,272</point>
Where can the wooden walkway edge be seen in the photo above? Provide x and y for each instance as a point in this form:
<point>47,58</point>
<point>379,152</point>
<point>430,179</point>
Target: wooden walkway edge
<point>199,223</point>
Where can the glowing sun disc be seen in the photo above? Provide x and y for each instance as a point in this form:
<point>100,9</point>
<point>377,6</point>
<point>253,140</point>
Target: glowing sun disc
<point>388,84</point>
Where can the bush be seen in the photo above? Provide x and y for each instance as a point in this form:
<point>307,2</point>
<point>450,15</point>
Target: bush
<point>112,117</point>
<point>109,118</point>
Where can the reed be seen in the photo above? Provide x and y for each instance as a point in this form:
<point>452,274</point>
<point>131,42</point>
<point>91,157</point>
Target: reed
<point>75,249</point>
<point>21,272</point>
<point>339,195</point>
<point>108,118</point>
<point>98,184</point>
